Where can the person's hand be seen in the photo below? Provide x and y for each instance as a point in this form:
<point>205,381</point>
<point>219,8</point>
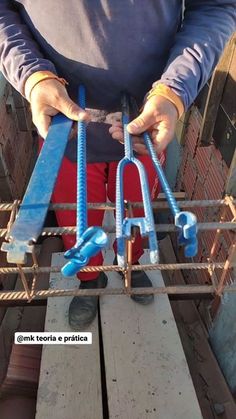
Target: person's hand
<point>159,117</point>
<point>48,98</point>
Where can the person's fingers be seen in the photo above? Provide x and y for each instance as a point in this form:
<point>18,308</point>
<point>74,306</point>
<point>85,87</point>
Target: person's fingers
<point>71,109</point>
<point>42,122</point>
<point>143,122</point>
<point>115,125</point>
<point>140,149</point>
<point>162,137</point>
<point>118,135</point>
<point>114,128</point>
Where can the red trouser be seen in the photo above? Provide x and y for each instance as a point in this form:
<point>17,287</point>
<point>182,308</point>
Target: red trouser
<point>101,184</point>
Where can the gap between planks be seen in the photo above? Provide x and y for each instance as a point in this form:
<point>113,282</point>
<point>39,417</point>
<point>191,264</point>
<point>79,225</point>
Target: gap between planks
<point>146,371</point>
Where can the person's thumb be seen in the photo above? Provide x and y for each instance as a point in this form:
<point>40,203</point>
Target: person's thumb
<point>72,110</point>
<point>140,124</point>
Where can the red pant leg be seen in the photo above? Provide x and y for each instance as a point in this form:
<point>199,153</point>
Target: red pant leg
<point>65,192</point>
<point>132,191</point>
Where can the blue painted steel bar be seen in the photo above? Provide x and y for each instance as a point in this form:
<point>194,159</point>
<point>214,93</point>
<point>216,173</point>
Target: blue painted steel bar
<point>81,214</point>
<point>89,241</point>
<point>33,210</point>
<point>185,221</point>
<point>123,224</point>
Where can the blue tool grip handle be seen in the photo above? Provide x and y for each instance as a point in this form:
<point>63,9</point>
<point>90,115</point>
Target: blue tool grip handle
<point>93,241</point>
<point>72,267</point>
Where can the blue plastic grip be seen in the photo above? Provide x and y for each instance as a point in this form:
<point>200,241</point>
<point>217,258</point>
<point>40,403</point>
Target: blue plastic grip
<point>91,242</point>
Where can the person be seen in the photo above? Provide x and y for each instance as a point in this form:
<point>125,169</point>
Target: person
<point>160,52</point>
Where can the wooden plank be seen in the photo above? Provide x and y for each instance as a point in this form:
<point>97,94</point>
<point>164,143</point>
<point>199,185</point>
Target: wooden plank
<point>146,371</point>
<point>225,136</point>
<point>229,95</point>
<point>211,388</point>
<point>215,94</point>
<point>231,179</point>
<point>70,378</point>
<point>181,127</point>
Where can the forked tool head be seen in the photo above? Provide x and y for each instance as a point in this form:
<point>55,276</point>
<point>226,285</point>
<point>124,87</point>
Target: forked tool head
<point>186,222</point>
<point>92,241</point>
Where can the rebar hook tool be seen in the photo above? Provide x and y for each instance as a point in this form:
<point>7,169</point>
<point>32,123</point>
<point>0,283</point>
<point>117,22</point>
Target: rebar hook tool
<point>185,221</point>
<point>89,241</point>
<point>34,207</point>
<point>124,225</point>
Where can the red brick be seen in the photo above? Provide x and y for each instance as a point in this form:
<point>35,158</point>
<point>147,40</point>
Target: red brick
<point>203,160</point>
<point>213,189</point>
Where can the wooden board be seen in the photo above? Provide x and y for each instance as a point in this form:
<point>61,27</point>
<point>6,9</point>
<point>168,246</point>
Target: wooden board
<point>146,371</point>
<point>216,88</point>
<point>70,382</point>
<point>209,382</point>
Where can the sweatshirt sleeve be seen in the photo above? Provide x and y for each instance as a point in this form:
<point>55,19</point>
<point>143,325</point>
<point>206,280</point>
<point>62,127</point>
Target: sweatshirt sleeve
<point>20,56</point>
<point>206,27</point>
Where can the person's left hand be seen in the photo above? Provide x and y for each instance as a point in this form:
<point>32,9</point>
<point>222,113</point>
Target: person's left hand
<point>159,117</point>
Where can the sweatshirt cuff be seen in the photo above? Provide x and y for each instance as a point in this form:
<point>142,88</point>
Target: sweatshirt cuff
<point>36,78</point>
<point>165,91</point>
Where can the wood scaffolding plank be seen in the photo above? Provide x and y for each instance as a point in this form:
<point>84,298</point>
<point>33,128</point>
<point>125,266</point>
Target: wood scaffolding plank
<point>70,379</point>
<point>209,382</point>
<point>146,371</point>
<point>216,89</point>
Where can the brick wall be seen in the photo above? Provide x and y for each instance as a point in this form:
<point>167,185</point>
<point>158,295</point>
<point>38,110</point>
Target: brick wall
<point>202,176</point>
<point>16,143</point>
<point>16,146</point>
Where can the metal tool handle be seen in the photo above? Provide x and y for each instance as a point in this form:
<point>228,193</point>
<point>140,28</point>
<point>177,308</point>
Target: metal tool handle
<point>185,221</point>
<point>34,207</point>
<point>81,215</point>
<point>161,175</point>
<point>124,225</point>
<point>89,241</point>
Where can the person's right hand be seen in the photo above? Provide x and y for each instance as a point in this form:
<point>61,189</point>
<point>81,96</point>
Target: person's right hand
<point>48,98</point>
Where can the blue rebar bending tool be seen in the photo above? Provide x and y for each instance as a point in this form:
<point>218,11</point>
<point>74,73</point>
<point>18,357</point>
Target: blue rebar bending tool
<point>34,207</point>
<point>125,225</point>
<point>89,241</point>
<point>185,221</point>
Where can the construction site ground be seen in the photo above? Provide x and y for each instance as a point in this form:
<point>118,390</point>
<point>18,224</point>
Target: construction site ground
<point>137,367</point>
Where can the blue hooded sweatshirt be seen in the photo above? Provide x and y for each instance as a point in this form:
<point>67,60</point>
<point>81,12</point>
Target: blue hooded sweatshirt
<point>115,45</point>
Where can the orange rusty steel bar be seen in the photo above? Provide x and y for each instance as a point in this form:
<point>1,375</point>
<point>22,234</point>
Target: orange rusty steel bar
<point>230,260</point>
<point>170,290</point>
<point>24,282</point>
<point>211,270</point>
<point>7,206</point>
<point>229,201</point>
<point>106,268</point>
<point>12,217</point>
<point>56,231</point>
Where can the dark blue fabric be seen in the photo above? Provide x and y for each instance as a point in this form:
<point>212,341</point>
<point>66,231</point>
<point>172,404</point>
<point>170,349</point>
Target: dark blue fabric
<point>115,45</point>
